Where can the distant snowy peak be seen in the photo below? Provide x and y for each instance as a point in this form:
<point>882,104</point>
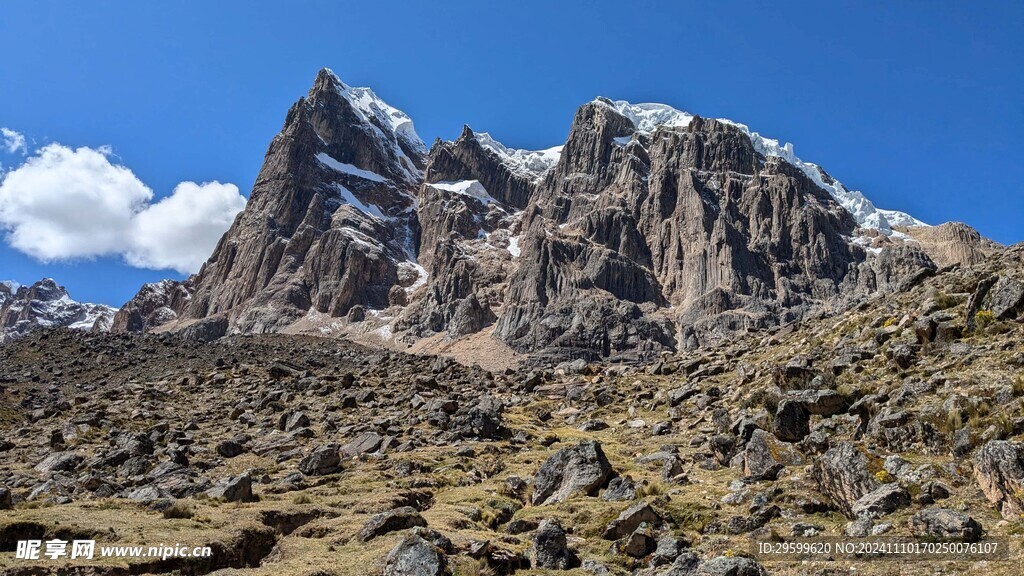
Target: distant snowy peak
<point>379,113</point>
<point>648,117</point>
<point>530,163</point>
<point>46,304</point>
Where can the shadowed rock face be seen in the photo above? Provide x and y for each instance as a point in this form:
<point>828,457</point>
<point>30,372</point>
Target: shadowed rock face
<point>624,243</point>
<point>313,235</point>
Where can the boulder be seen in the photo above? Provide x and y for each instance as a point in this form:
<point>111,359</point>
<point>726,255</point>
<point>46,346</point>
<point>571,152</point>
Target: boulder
<point>579,469</point>
<point>945,524</point>
<point>59,462</point>
<point>323,460</point>
<point>401,518</point>
<point>766,456</point>
<point>999,470</point>
<point>881,501</point>
<point>415,556</point>
<point>483,419</point>
<point>620,489</point>
<point>1006,299</point>
<point>233,489</point>
<point>792,421</point>
<point>842,475</point>
<point>639,543</point>
<point>630,519</point>
<point>362,444</point>
<point>230,448</point>
<point>550,549</point>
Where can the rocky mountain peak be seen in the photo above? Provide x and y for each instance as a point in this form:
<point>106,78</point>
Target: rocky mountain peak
<point>46,304</point>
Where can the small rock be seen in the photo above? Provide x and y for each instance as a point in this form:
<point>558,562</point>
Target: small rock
<point>630,519</point>
<point>398,519</point>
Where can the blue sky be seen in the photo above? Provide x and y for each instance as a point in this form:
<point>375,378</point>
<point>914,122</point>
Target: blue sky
<point>916,103</point>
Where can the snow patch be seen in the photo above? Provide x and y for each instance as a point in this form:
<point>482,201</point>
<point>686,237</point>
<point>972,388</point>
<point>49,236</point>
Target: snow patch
<point>513,247</point>
<point>369,209</point>
<point>421,275</point>
<point>349,169</point>
<point>471,188</point>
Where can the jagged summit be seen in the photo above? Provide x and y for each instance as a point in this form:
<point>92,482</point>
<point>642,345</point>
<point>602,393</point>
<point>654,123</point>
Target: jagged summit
<point>391,124</point>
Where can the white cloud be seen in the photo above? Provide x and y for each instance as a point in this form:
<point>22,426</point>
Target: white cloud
<point>13,141</point>
<point>182,230</point>
<point>66,204</point>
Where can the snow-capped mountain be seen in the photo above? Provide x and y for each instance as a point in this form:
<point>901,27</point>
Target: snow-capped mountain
<point>648,229</point>
<point>648,117</point>
<point>46,304</point>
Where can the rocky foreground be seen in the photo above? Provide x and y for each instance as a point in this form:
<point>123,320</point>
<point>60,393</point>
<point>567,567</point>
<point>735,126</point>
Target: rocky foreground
<point>301,455</point>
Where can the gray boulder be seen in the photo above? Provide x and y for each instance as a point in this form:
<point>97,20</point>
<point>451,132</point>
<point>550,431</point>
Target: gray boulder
<point>550,549</point>
<point>579,469</point>
<point>59,462</point>
<point>362,444</point>
<point>415,556</point>
<point>233,489</point>
<point>766,456</point>
<point>630,519</point>
<point>323,460</point>
<point>881,501</point>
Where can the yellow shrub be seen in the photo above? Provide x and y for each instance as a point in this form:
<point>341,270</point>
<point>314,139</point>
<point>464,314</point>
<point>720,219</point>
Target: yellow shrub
<point>984,317</point>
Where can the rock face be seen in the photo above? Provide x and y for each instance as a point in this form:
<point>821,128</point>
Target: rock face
<point>953,243</point>
<point>999,470</point>
<point>648,230</point>
<point>579,469</point>
<point>46,304</point>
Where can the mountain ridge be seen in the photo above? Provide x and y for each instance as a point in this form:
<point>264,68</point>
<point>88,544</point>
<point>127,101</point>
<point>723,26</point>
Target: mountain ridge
<point>668,227</point>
